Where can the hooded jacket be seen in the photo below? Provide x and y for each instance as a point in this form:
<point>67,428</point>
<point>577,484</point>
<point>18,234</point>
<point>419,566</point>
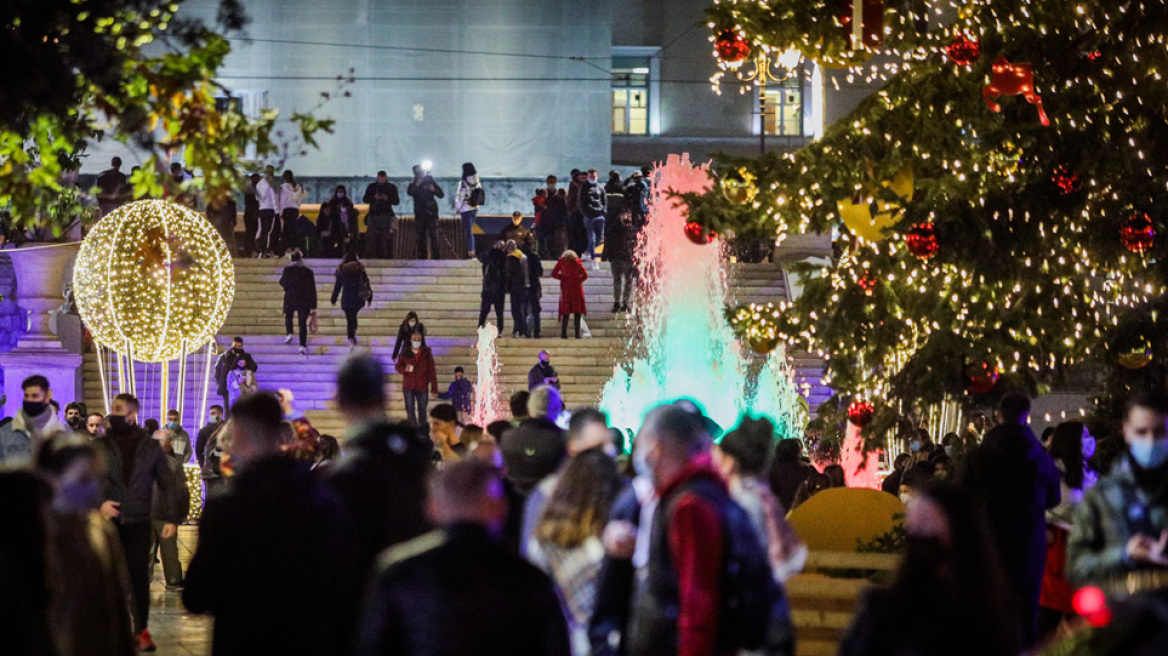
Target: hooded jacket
<point>20,437</point>
<point>351,280</point>
<point>461,200</point>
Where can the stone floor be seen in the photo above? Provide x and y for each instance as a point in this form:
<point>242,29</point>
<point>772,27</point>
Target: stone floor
<point>176,631</point>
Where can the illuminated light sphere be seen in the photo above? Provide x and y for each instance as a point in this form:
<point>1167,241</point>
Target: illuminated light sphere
<point>732,47</point>
<point>1138,234</point>
<point>980,378</point>
<point>153,280</point>
<point>698,235</point>
<point>762,344</point>
<point>922,240</point>
<point>1066,180</point>
<point>738,186</point>
<point>1136,357</point>
<point>860,413</point>
<point>963,50</point>
<point>1091,603</point>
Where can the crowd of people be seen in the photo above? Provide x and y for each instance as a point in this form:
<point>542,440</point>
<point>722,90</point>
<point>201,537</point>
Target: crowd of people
<point>537,533</point>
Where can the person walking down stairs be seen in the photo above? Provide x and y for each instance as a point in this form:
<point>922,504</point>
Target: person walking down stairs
<point>299,283</point>
<point>494,292</point>
<point>355,291</point>
<point>408,327</point>
<point>416,365</point>
<point>571,274</point>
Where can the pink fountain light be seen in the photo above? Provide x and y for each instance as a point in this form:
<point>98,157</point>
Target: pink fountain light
<point>488,405</point>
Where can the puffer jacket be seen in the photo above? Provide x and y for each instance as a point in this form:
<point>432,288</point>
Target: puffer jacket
<point>593,201</point>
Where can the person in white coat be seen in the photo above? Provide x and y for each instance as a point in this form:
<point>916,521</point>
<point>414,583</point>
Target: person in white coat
<point>466,202</point>
<point>269,197</point>
<point>291,193</point>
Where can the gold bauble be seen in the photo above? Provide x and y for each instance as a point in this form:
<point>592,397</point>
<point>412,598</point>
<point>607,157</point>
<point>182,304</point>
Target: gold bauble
<point>153,281</point>
<point>858,217</point>
<point>1136,358</point>
<point>738,186</point>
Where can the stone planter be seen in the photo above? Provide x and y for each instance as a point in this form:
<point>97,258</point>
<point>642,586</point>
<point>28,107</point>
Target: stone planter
<point>41,272</point>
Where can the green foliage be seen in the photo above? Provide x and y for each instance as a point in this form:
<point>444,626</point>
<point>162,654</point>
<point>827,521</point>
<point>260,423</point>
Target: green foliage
<point>129,70</point>
<point>1029,277</point>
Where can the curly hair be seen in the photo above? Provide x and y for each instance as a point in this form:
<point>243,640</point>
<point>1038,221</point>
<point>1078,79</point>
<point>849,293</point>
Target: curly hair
<point>579,505</point>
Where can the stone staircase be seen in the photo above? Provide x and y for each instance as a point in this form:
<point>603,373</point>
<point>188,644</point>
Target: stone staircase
<point>445,293</point>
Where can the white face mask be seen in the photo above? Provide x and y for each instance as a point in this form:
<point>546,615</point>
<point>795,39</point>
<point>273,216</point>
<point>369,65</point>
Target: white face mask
<point>413,322</point>
<point>905,498</point>
<point>417,344</point>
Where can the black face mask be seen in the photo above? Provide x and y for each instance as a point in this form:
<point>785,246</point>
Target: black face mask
<point>33,408</point>
<point>117,422</point>
<point>75,423</point>
<point>926,553</point>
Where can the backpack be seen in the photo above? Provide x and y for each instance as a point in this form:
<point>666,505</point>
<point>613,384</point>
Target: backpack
<point>366,289</point>
<point>477,197</point>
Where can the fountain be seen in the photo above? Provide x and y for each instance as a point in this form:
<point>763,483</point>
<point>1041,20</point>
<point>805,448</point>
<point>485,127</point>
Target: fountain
<point>682,346</point>
<point>488,404</point>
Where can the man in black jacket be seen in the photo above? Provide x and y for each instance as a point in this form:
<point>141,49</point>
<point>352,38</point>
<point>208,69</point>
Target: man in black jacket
<point>1017,482</point>
<point>458,591</point>
<point>620,245</point>
<point>593,204</point>
<point>274,562</point>
<point>381,480</point>
<point>215,415</point>
<point>425,193</point>
<point>534,290</point>
<point>381,196</point>
<point>134,465</point>
<point>494,285</point>
<point>226,363</point>
<point>299,283</point>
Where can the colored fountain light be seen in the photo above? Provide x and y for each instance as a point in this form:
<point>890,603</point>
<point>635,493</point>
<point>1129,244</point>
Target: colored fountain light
<point>488,404</point>
<point>682,345</point>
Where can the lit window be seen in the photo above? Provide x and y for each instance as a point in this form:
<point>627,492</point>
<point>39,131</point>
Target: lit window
<point>630,95</point>
<point>784,109</point>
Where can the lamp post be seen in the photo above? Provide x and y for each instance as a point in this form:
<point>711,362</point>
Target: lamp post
<point>767,67</point>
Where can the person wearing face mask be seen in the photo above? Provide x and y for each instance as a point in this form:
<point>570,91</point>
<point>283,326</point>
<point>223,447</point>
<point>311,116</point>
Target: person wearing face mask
<point>1018,482</point>
<point>227,363</point>
<point>183,450</point>
<point>1071,445</point>
<point>945,598</point>
<point>1121,526</point>
<point>88,581</point>
<point>416,365</point>
<point>355,291</point>
<point>214,418</point>
<point>177,504</point>
<point>593,204</point>
<point>94,425</point>
<point>34,423</point>
<point>410,325</point>
<point>338,224</point>
<point>543,373</point>
<point>463,565</point>
<point>75,417</point>
<point>134,465</point>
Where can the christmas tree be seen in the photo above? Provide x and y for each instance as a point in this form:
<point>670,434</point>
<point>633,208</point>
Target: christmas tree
<point>999,200</point>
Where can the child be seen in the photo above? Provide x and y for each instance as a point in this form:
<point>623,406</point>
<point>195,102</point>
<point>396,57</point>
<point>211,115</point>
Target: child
<point>539,202</point>
<point>240,381</point>
<point>460,395</point>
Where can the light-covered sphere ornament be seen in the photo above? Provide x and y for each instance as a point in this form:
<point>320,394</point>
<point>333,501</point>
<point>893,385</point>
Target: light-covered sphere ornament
<point>1136,357</point>
<point>698,235</point>
<point>1138,234</point>
<point>153,281</point>
<point>981,377</point>
<point>731,47</point>
<point>922,240</point>
<point>860,413</point>
<point>738,186</point>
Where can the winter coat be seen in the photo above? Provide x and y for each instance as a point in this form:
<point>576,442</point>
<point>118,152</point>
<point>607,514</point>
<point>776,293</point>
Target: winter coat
<point>620,240</point>
<point>204,436</point>
<point>404,332</point>
<point>381,208</point>
<point>1130,500</point>
<point>787,477</point>
<point>134,490</point>
<point>273,541</point>
<point>178,502</point>
<point>518,234</point>
<point>494,273</point>
<point>461,200</point>
<point>425,194</point>
<point>592,200</point>
<point>555,214</point>
<point>637,196</point>
<point>20,437</point>
<point>571,274</point>
<point>538,203</point>
<point>226,363</point>
<point>267,191</point>
<point>290,197</point>
<point>299,283</point>
<point>538,373</point>
<point>534,272</point>
<point>351,281</point>
<point>459,394</point>
<point>424,374</point>
<point>518,272</point>
<point>330,218</point>
<point>500,600</point>
<point>381,482</point>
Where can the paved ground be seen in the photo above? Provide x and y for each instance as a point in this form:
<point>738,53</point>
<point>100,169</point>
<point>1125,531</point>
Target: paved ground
<point>175,630</point>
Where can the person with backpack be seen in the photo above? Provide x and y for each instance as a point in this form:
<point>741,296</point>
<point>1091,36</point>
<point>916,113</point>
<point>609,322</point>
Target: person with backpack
<point>352,285</point>
<point>494,285</point>
<point>637,198</point>
<point>708,587</point>
<point>466,202</point>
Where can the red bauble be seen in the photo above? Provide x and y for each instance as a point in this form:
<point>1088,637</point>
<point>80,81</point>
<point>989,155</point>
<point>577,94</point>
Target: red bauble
<point>1066,180</point>
<point>860,413</point>
<point>922,240</point>
<point>980,378</point>
<point>964,50</point>
<point>698,235</point>
<point>867,283</point>
<point>1138,234</point>
<point>731,46</point>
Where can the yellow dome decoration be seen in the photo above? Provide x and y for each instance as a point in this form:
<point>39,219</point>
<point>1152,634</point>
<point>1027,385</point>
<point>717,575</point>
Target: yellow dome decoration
<point>153,281</point>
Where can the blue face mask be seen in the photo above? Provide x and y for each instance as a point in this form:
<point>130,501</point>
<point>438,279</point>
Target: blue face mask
<point>1150,455</point>
<point>914,446</point>
<point>172,425</point>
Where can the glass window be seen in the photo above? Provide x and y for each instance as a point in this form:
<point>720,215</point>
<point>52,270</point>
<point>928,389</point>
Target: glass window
<point>630,95</point>
<point>784,109</point>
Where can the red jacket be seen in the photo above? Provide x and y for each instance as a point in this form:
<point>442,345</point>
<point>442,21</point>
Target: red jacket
<point>571,274</point>
<point>695,551</point>
<point>424,372</point>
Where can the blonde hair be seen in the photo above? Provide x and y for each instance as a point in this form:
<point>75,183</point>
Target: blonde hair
<point>569,255</point>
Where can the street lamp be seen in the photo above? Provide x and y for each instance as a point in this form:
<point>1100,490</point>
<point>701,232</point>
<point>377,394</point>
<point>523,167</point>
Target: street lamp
<point>767,66</point>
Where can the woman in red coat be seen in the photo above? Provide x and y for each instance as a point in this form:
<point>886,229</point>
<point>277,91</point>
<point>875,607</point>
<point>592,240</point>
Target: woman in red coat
<point>571,275</point>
